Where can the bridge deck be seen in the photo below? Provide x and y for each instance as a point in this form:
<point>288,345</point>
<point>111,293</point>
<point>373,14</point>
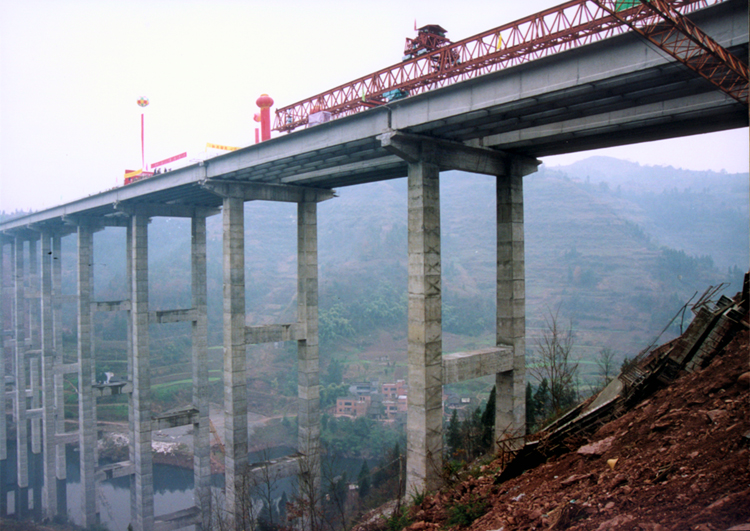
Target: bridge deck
<point>614,92</point>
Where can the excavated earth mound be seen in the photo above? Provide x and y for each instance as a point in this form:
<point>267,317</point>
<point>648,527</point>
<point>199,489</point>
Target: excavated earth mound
<point>678,460</point>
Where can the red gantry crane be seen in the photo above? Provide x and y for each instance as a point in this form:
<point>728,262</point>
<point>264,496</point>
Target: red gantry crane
<point>431,60</point>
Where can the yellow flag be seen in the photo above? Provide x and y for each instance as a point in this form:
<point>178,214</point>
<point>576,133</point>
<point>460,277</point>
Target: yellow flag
<point>219,146</point>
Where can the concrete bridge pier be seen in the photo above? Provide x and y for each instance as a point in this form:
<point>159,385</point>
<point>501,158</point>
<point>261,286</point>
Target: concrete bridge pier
<point>86,403</point>
<point>49,361</point>
<point>510,404</point>
<point>3,419</point>
<point>19,402</point>
<point>201,435</point>
<point>308,419</point>
<point>142,510</point>
<point>59,397</point>
<point>34,316</point>
<point>237,336</point>
<point>424,424</point>
<point>429,368</point>
<point>235,358</point>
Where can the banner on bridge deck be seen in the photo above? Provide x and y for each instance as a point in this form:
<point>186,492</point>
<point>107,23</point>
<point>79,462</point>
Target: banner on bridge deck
<point>219,146</point>
<point>170,159</point>
<point>129,174</point>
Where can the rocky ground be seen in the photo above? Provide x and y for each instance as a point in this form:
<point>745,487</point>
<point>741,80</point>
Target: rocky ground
<point>679,460</point>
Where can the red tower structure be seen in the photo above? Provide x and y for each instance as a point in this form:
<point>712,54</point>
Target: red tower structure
<point>265,102</point>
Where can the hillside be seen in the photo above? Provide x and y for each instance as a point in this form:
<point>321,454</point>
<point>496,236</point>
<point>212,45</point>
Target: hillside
<point>615,248</point>
<point>676,459</point>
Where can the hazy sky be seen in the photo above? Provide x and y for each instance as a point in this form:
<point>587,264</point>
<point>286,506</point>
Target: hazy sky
<point>72,70</point>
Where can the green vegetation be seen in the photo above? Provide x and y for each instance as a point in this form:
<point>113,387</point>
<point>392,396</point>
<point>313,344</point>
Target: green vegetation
<point>361,437</point>
<point>463,514</point>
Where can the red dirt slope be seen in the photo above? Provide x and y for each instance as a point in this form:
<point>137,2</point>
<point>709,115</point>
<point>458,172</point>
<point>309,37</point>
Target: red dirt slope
<point>683,463</point>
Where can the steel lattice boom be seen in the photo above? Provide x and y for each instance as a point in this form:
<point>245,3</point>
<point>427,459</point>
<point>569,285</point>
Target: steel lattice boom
<point>664,26</point>
<point>569,25</point>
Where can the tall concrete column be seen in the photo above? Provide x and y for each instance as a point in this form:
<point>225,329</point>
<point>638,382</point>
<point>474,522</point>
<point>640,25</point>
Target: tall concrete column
<point>510,413</point>
<point>235,361</point>
<point>34,309</point>
<point>20,367</point>
<point>3,419</point>
<point>131,416</point>
<point>57,335</point>
<point>36,423</point>
<point>49,358</point>
<point>308,419</point>
<point>424,415</point>
<point>143,509</point>
<point>86,404</point>
<point>201,434</point>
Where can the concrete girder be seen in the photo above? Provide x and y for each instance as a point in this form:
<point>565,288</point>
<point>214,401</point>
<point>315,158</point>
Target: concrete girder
<point>153,210</point>
<point>251,191</point>
<point>94,223</point>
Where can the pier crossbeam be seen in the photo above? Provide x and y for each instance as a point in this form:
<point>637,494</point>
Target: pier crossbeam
<point>177,519</point>
<point>462,366</point>
<point>114,470</point>
<point>175,418</point>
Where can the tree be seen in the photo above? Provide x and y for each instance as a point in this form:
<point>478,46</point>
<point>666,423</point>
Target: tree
<point>605,365</point>
<point>334,374</point>
<point>542,401</point>
<point>554,362</point>
<point>363,480</point>
<point>488,422</point>
<point>530,407</point>
<point>453,435</point>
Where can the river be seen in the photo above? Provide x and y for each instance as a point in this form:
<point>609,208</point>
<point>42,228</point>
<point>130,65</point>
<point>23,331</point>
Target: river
<point>173,487</point>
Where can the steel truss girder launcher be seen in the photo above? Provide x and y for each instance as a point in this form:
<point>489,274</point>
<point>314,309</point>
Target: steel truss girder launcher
<point>663,25</point>
<point>569,25</point>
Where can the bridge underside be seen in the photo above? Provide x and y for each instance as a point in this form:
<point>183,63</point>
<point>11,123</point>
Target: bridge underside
<point>611,93</point>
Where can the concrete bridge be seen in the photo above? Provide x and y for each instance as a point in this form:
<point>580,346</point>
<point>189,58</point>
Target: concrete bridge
<point>614,92</point>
